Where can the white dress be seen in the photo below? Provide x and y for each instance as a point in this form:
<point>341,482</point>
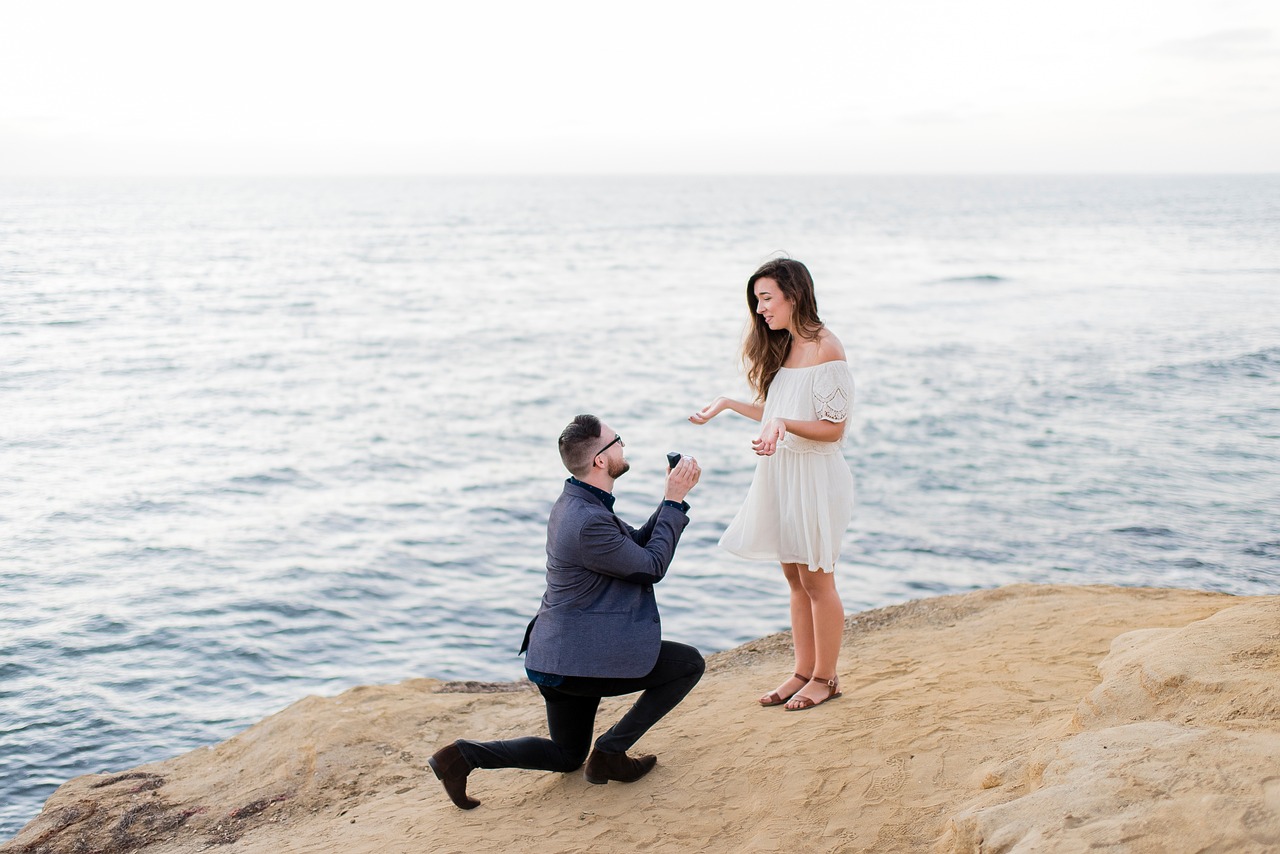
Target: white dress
<point>801,498</point>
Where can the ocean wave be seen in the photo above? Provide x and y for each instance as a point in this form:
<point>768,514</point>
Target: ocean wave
<point>272,478</point>
<point>1269,549</point>
<point>1143,531</point>
<point>979,279</point>
<point>1258,365</point>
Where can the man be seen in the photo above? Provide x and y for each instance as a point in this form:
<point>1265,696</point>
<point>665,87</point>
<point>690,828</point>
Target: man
<point>597,632</point>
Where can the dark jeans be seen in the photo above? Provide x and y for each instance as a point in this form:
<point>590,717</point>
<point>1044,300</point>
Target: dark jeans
<point>571,715</point>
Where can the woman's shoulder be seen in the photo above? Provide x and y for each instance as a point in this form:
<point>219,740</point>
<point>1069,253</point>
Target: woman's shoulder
<point>824,348</point>
<point>829,347</point>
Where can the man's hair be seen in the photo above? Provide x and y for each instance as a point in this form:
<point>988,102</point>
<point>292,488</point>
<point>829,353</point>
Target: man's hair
<point>578,443</point>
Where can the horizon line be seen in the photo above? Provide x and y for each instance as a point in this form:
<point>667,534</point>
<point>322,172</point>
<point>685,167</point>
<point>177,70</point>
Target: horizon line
<point>646,175</point>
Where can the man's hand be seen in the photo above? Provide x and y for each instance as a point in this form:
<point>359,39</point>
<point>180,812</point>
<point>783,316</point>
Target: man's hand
<point>682,478</point>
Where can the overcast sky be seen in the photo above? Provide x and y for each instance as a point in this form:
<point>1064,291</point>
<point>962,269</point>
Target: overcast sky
<point>891,86</point>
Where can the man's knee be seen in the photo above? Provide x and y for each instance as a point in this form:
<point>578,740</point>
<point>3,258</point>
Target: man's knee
<point>570,760</point>
<point>678,664</point>
<point>694,665</point>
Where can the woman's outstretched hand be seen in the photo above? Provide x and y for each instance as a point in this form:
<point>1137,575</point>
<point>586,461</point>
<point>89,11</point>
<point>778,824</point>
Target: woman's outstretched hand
<point>773,432</point>
<point>702,416</point>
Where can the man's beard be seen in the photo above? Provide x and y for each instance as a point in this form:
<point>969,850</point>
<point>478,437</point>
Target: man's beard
<point>617,470</point>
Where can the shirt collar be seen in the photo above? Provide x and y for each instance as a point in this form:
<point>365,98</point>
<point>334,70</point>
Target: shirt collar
<point>606,497</point>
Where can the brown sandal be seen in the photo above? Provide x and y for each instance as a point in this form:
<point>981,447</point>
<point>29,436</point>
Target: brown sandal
<point>773,698</point>
<point>833,689</point>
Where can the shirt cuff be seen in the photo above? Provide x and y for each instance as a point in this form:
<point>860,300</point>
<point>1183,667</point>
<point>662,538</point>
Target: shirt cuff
<point>682,506</point>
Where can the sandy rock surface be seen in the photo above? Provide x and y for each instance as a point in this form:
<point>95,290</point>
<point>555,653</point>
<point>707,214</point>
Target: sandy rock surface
<point>1028,718</point>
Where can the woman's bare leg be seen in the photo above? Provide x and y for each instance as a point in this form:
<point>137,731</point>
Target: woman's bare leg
<point>801,630</point>
<point>826,622</point>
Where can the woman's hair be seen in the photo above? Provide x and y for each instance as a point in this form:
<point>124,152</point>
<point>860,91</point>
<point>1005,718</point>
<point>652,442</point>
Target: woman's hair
<point>577,442</point>
<point>766,349</point>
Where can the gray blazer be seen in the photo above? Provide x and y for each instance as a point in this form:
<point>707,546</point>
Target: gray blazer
<point>598,616</point>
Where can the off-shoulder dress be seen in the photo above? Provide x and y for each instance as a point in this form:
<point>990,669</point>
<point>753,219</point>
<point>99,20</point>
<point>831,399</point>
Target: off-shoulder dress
<point>801,499</point>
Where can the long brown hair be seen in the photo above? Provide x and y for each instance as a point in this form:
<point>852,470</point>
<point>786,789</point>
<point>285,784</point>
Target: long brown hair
<point>766,349</point>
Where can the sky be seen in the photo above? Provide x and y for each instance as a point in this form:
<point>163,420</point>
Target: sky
<point>745,87</point>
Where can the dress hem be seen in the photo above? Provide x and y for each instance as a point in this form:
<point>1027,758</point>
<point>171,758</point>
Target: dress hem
<point>776,559</point>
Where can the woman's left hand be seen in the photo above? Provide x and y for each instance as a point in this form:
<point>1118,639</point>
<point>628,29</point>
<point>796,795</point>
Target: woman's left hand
<point>773,432</point>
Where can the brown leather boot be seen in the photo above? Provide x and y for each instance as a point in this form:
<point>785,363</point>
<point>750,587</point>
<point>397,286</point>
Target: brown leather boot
<point>452,768</point>
<point>603,767</point>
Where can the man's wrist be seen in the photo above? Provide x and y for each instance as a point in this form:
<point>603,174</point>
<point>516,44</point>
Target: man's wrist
<point>682,506</point>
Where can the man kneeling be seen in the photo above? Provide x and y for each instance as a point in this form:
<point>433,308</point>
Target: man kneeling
<point>597,632</point>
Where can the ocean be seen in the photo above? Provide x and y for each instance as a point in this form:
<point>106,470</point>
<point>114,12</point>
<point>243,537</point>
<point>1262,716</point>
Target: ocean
<point>264,438</point>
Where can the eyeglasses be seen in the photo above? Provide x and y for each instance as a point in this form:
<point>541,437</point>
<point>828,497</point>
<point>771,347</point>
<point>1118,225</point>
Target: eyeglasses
<point>617,440</point>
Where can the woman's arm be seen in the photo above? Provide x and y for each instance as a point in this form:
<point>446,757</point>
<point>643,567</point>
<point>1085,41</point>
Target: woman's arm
<point>751,410</point>
<point>776,429</point>
<point>818,431</point>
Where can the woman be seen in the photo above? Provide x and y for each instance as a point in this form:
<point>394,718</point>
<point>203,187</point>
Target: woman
<point>801,499</point>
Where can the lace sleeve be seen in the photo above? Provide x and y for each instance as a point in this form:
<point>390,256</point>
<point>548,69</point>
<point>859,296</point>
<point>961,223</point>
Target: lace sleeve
<point>833,391</point>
